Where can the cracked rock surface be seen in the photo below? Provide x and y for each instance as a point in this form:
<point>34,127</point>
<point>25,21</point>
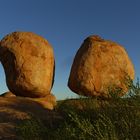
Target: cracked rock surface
<point>98,65</point>
<point>28,62</point>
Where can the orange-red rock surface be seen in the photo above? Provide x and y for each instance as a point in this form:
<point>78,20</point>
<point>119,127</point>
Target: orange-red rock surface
<point>99,64</point>
<point>28,61</point>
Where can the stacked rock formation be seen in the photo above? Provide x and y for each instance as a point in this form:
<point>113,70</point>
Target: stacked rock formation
<point>28,62</point>
<point>99,64</point>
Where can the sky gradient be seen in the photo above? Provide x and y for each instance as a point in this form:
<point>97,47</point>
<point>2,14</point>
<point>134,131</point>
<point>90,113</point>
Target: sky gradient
<point>66,23</point>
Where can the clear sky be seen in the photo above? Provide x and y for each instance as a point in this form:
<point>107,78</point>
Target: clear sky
<point>66,23</point>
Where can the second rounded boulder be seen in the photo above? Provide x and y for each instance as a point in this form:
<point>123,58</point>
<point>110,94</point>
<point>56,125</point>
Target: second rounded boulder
<point>28,61</point>
<point>98,65</point>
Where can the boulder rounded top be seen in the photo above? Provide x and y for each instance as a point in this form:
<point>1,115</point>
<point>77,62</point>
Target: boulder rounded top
<point>98,65</point>
<point>94,38</point>
<point>28,61</point>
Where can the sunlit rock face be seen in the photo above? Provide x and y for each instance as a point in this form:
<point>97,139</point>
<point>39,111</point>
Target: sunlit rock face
<point>28,61</point>
<point>98,65</point>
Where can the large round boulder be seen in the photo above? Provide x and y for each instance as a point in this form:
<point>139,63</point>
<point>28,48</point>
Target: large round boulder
<point>98,65</point>
<point>28,62</point>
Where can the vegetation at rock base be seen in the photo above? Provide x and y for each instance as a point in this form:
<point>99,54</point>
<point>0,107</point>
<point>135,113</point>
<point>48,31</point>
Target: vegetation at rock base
<point>89,119</point>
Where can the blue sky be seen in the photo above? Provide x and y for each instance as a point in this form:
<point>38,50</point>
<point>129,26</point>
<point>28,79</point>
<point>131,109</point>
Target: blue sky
<point>66,23</point>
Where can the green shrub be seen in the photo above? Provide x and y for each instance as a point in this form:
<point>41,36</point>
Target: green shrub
<point>90,119</point>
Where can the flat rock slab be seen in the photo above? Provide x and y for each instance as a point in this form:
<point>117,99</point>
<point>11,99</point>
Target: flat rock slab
<point>16,109</point>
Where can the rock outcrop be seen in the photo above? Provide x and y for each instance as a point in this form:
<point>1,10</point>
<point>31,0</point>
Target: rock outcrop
<point>8,94</point>
<point>13,111</point>
<point>28,61</point>
<point>49,101</point>
<point>98,65</point>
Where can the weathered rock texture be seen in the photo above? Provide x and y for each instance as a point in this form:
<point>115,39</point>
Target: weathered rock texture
<point>28,61</point>
<point>48,102</point>
<point>98,65</point>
